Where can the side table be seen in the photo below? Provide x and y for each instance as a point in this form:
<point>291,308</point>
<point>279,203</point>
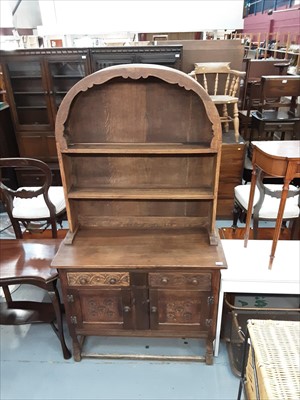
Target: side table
<point>278,159</point>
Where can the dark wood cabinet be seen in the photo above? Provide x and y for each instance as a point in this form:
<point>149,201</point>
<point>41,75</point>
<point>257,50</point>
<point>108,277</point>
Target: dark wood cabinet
<point>8,145</point>
<point>170,56</point>
<point>231,173</point>
<point>36,82</point>
<point>139,148</point>
<point>168,303</point>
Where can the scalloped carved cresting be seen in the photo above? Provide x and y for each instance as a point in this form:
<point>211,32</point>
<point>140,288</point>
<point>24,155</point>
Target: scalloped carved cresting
<point>98,279</point>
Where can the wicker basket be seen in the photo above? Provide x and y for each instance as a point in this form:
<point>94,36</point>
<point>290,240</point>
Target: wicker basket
<point>273,367</point>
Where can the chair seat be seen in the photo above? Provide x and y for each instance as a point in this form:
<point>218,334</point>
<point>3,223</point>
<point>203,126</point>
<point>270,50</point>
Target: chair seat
<point>221,99</point>
<point>244,113</point>
<point>270,206</point>
<point>275,116</point>
<point>38,207</point>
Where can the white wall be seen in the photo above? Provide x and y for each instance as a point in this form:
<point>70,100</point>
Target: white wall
<point>27,14</point>
<point>88,17</point>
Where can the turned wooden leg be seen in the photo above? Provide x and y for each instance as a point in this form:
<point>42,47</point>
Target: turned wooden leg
<point>225,116</point>
<point>236,122</point>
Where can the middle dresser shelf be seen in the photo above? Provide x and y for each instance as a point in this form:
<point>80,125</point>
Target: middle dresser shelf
<point>138,148</point>
<point>140,193</point>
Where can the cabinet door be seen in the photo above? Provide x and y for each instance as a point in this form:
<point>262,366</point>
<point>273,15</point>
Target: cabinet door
<point>107,58</point>
<point>63,74</point>
<point>94,310</point>
<point>28,94</point>
<point>180,302</point>
<point>168,58</point>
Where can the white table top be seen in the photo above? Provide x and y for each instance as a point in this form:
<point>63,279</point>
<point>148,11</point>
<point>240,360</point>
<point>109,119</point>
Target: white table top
<point>250,264</point>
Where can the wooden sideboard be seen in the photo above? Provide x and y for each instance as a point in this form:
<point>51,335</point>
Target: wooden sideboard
<point>142,256</point>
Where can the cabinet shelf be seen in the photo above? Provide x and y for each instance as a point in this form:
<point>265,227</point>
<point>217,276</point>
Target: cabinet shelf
<point>25,77</point>
<point>29,93</point>
<point>141,193</point>
<point>67,76</point>
<point>31,107</point>
<point>138,148</point>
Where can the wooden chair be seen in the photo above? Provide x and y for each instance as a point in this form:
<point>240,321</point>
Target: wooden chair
<point>29,262</point>
<point>251,105</point>
<point>222,84</point>
<point>35,207</point>
<point>277,109</point>
<point>266,204</point>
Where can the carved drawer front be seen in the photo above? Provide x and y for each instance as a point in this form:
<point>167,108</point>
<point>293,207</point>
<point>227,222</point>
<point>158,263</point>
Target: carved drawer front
<point>98,279</point>
<point>201,281</point>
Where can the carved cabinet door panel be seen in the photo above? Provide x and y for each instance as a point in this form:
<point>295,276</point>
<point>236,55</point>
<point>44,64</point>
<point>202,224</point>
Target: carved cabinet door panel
<point>101,308</point>
<point>180,310</point>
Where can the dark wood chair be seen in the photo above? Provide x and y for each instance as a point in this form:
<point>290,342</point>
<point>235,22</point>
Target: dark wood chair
<point>277,109</point>
<point>251,105</point>
<point>36,208</point>
<point>29,262</point>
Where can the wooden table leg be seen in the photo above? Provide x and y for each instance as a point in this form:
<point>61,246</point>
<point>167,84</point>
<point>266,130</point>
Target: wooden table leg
<point>284,195</point>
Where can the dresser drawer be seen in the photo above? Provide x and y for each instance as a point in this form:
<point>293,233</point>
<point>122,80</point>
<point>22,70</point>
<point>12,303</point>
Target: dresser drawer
<point>98,279</point>
<point>197,281</point>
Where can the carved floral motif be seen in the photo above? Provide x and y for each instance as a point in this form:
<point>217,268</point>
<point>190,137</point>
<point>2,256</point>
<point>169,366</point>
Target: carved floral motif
<point>98,279</point>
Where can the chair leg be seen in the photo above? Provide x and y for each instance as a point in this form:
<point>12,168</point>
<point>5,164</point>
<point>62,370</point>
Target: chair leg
<point>7,294</point>
<point>255,228</point>
<point>55,298</point>
<point>225,116</point>
<point>294,227</point>
<point>235,214</point>
<point>236,122</point>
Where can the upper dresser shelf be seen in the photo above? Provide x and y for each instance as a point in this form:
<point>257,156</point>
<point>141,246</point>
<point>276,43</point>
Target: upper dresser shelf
<point>139,148</point>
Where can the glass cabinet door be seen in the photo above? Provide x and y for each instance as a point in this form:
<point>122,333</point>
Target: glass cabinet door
<point>31,104</point>
<point>63,75</point>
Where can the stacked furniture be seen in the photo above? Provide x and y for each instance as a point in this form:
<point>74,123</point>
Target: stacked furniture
<point>139,151</point>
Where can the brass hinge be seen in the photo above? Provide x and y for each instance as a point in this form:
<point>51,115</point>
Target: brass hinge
<point>208,322</point>
<point>210,300</point>
<point>70,298</point>
<point>73,320</point>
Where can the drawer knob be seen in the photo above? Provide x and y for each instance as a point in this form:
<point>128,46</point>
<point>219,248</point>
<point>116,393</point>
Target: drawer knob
<point>164,280</point>
<point>153,309</point>
<point>126,309</point>
<point>112,281</point>
<point>195,281</point>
